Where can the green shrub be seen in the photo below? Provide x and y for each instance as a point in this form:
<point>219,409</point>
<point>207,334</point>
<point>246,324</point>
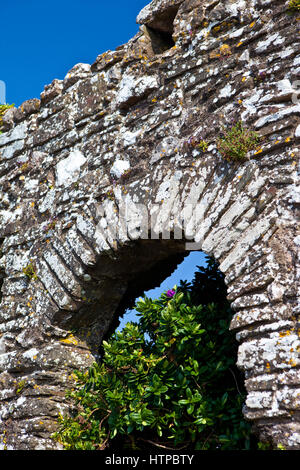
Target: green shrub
<point>237,142</point>
<point>169,380</point>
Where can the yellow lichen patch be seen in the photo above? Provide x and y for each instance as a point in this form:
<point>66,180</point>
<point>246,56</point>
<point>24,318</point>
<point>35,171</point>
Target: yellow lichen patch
<point>70,340</point>
<point>292,362</point>
<point>214,55</point>
<point>284,333</point>
<point>24,167</point>
<point>225,49</point>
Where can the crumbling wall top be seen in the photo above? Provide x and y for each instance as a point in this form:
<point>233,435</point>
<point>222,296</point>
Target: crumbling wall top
<point>156,8</point>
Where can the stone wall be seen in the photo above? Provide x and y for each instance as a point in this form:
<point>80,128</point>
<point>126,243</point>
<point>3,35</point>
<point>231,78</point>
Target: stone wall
<point>119,133</point>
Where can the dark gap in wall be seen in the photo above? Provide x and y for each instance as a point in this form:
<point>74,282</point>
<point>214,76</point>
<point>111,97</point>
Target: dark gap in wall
<point>161,29</point>
<point>161,40</point>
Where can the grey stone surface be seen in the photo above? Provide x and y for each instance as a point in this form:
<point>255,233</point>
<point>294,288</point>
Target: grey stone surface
<point>96,174</point>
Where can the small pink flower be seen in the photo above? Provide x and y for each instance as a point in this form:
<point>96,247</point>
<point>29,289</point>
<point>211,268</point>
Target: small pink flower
<point>170,293</point>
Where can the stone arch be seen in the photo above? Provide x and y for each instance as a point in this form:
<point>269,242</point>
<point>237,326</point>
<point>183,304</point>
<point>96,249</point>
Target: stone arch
<point>101,185</point>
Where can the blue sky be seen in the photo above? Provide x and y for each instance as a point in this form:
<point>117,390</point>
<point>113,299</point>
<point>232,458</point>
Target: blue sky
<point>43,40</point>
<point>185,271</point>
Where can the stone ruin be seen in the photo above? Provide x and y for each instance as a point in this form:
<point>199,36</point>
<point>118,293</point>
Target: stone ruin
<point>102,194</point>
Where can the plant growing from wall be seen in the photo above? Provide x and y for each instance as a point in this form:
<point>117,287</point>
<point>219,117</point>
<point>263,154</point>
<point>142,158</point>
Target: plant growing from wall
<point>110,195</point>
<point>294,5</point>
<point>167,381</point>
<point>236,142</point>
<point>20,386</point>
<point>29,271</point>
<point>196,143</point>
<point>3,109</point>
<point>202,145</point>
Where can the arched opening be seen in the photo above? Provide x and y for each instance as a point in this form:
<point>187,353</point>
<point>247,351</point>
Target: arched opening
<point>167,264</point>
